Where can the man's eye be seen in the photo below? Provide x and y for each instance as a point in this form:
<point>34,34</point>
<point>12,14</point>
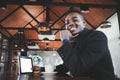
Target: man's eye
<point>75,20</point>
<point>67,22</point>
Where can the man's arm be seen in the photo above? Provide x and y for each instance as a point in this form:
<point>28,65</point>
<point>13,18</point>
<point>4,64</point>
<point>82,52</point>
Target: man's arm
<point>78,62</point>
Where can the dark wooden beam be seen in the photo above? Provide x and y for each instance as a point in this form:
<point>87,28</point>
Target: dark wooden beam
<point>60,29</point>
<point>9,14</point>
<point>65,1</point>
<point>33,28</point>
<point>38,40</point>
<point>56,14</point>
<point>90,24</point>
<point>5,30</point>
<point>30,14</point>
<point>42,40</point>
<point>48,11</point>
<point>43,3</point>
<point>18,28</point>
<point>35,17</point>
<point>58,19</point>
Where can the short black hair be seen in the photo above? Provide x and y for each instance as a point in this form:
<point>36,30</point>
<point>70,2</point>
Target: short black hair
<point>73,10</point>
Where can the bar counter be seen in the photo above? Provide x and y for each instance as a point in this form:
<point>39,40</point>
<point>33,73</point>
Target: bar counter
<point>40,77</point>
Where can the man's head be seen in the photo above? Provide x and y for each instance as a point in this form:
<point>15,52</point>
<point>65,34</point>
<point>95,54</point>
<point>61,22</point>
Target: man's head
<point>74,21</point>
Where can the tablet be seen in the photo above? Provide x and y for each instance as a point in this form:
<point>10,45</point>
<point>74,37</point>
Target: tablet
<point>26,65</point>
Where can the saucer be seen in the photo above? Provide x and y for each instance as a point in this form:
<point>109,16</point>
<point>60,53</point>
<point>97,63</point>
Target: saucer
<point>48,73</point>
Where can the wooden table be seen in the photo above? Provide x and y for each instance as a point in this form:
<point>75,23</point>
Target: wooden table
<point>40,77</point>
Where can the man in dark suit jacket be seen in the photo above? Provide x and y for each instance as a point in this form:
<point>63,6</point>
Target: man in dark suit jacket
<point>85,52</point>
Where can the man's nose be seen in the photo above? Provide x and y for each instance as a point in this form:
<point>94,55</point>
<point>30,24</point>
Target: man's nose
<point>71,23</point>
<point>70,26</point>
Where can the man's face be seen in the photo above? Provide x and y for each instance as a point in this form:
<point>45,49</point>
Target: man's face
<point>74,23</point>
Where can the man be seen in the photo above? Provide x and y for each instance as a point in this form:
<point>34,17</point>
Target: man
<point>86,52</point>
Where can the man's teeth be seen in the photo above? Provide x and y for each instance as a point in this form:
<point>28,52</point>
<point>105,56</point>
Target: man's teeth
<point>73,28</point>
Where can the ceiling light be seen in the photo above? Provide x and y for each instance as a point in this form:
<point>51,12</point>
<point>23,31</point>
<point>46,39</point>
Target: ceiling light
<point>16,45</point>
<point>3,6</point>
<point>43,26</point>
<point>33,46</point>
<point>22,50</point>
<point>84,9</point>
<point>105,24</point>
<point>49,37</point>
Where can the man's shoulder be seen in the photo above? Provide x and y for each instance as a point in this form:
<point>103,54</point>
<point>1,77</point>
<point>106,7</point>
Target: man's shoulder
<point>96,32</point>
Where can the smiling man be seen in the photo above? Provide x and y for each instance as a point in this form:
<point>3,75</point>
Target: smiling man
<point>85,52</point>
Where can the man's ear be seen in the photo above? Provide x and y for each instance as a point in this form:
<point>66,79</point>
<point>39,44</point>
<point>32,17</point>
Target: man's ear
<point>85,23</point>
<point>66,27</point>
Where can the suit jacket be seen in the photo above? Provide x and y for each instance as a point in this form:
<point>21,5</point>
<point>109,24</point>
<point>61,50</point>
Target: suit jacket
<point>88,55</point>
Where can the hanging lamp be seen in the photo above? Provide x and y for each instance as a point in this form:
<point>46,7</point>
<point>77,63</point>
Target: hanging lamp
<point>105,24</point>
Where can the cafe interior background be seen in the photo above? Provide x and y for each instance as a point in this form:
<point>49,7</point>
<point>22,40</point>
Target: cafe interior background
<point>31,28</point>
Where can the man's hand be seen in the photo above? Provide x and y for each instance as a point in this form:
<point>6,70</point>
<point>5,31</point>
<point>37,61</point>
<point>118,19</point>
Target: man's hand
<point>65,34</point>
